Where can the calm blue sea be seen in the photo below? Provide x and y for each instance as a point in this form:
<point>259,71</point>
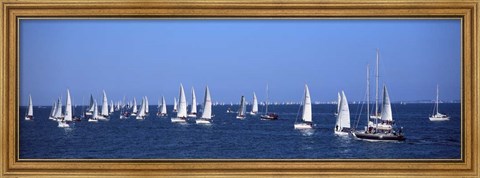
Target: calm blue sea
<point>232,138</point>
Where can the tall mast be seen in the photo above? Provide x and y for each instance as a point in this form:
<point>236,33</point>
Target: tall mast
<point>437,99</point>
<point>368,93</point>
<point>266,103</point>
<point>376,87</point>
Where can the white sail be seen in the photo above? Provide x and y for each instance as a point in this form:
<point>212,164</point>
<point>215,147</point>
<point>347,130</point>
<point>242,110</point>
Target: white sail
<point>54,109</point>
<point>135,110</point>
<point>95,110</point>
<point>307,106</point>
<point>182,105</point>
<point>112,107</point>
<point>386,106</point>
<point>207,105</point>
<point>343,118</point>
<point>255,103</point>
<point>68,108</point>
<point>338,102</point>
<point>242,109</point>
<point>142,112</point>
<point>175,104</point>
<point>104,111</point>
<point>163,109</point>
<point>146,105</point>
<point>193,109</point>
<point>58,111</point>
<point>30,106</point>
<point>90,109</point>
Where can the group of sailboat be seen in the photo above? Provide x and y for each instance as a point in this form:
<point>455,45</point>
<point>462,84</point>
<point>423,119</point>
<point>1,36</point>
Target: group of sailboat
<point>182,115</point>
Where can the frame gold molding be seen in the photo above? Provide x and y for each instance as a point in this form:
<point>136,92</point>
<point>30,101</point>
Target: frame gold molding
<point>12,10</point>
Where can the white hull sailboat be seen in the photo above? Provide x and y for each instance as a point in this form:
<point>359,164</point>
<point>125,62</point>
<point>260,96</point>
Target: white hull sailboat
<point>146,106</point>
<point>193,109</point>
<point>175,105</point>
<point>437,116</point>
<point>254,105</point>
<point>342,126</point>
<point>162,109</point>
<point>338,104</point>
<point>142,113</point>
<point>206,117</point>
<point>67,116</point>
<point>95,116</point>
<point>135,109</point>
<point>104,112</point>
<point>52,112</point>
<point>90,108</point>
<point>242,109</point>
<point>182,108</point>
<point>306,112</point>
<point>58,111</point>
<point>29,113</point>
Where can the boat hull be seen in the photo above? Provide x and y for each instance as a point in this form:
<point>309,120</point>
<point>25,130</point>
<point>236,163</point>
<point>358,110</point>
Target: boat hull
<point>192,115</point>
<point>439,118</point>
<point>178,120</point>
<point>269,117</point>
<point>92,120</point>
<point>378,136</point>
<point>203,121</point>
<point>240,117</point>
<point>28,118</point>
<point>302,126</point>
<point>63,124</point>
<point>375,117</point>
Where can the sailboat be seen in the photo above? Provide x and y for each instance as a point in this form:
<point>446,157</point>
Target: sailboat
<point>436,115</point>
<point>383,131</point>
<point>112,107</point>
<point>162,110</point>
<point>338,103</point>
<point>377,114</point>
<point>193,109</point>
<point>29,113</point>
<point>53,111</point>
<point>268,116</point>
<point>306,112</point>
<point>67,116</point>
<point>175,104</point>
<point>90,108</point>
<point>242,109</point>
<point>342,127</point>
<point>254,105</point>
<point>143,110</point>
<point>104,112</point>
<point>58,111</point>
<point>182,108</point>
<point>206,117</point>
<point>95,115</point>
<point>134,110</point>
<point>146,106</point>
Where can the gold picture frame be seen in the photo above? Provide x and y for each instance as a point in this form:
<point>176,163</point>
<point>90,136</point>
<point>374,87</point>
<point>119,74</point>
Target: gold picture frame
<point>12,10</point>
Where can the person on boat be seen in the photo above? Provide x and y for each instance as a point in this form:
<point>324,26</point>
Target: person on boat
<point>336,127</point>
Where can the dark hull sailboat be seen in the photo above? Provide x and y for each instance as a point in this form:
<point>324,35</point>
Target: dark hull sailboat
<point>379,136</point>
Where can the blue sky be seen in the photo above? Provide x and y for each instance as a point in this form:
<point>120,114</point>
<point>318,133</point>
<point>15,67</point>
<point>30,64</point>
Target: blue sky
<point>151,57</point>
